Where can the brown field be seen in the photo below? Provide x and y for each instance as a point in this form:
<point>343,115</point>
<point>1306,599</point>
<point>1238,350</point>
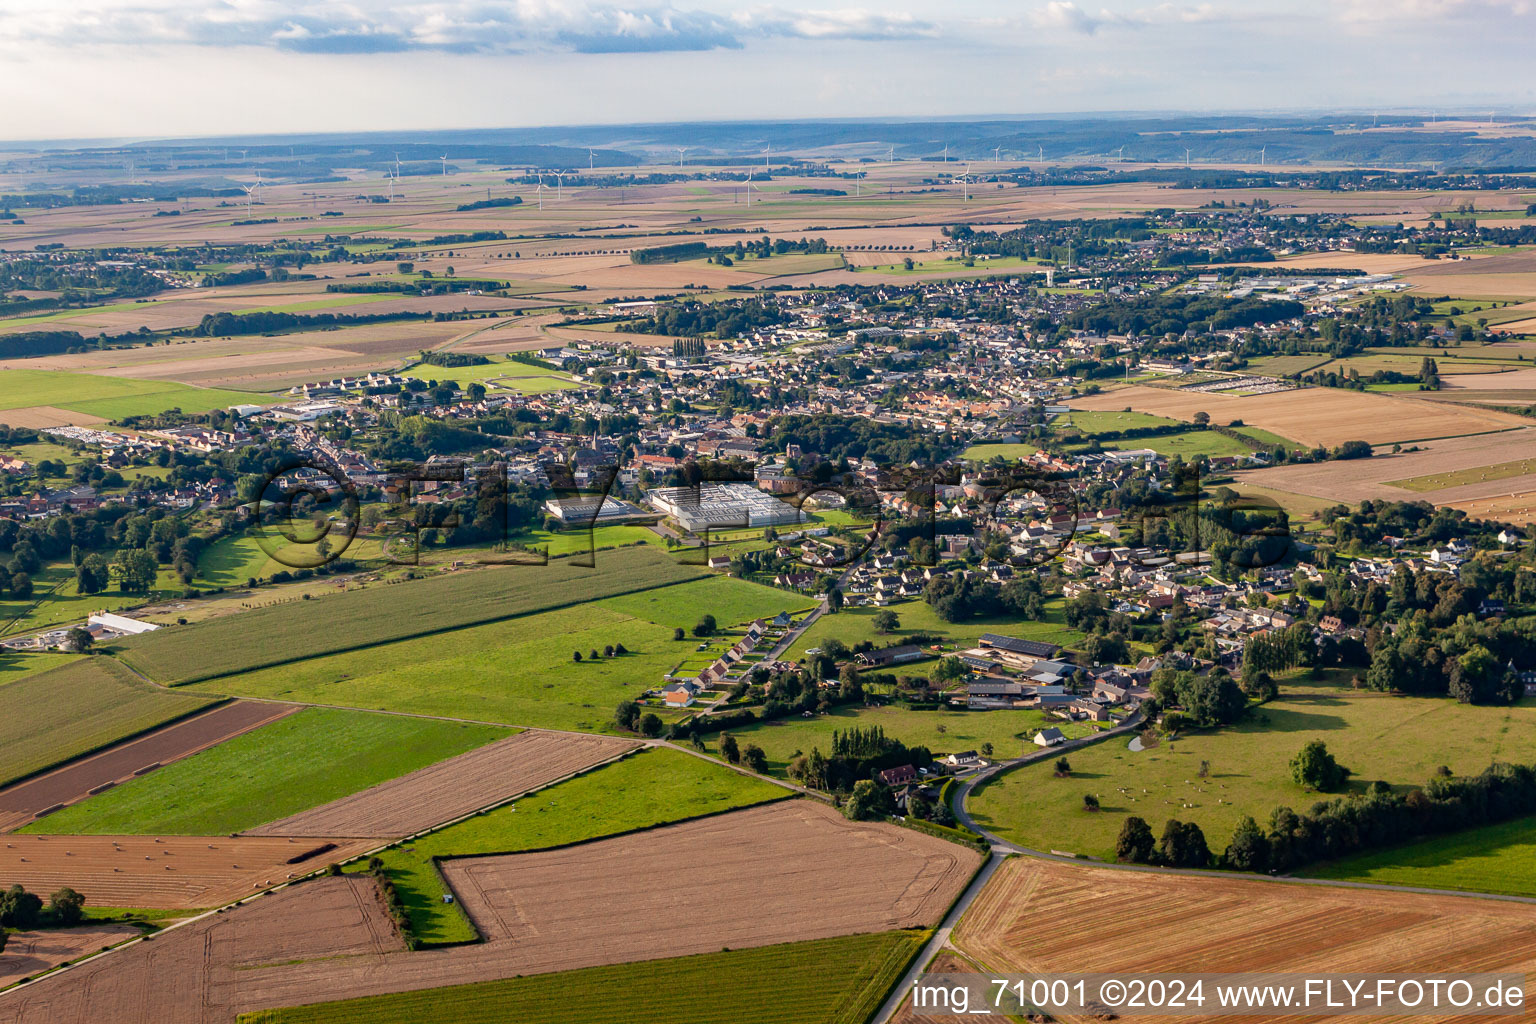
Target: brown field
<point>645,896</point>
<point>1045,916</point>
<point>35,417</point>
<point>22,803</point>
<point>1522,379</point>
<point>172,872</point>
<point>453,788</point>
<point>1326,416</point>
<point>1511,276</point>
<point>211,969</point>
<point>29,953</point>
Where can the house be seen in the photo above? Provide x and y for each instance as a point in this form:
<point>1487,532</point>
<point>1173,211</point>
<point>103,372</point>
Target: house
<point>678,698</point>
<point>964,761</point>
<point>899,776</point>
<point>1331,624</point>
<point>1049,737</point>
<point>1035,649</point>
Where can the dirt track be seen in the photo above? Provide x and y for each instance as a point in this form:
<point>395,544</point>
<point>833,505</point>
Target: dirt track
<point>1043,916</point>
<point>452,788</point>
<point>20,803</point>
<point>791,870</point>
<point>161,871</point>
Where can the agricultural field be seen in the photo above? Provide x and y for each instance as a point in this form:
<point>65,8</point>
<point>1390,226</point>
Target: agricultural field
<point>1007,452</point>
<point>598,538</point>
<point>30,396</point>
<point>166,873</point>
<point>855,625</point>
<point>1399,740</point>
<point>28,954</point>
<point>824,981</point>
<point>1284,366</point>
<point>1033,917</point>
<point>1010,732</point>
<point>56,600</point>
<point>1190,445</point>
<point>1106,420</point>
<point>76,706</point>
<point>269,773</point>
<point>454,787</point>
<point>518,671</point>
<point>47,791</point>
<point>1313,416</point>
<point>646,789</point>
<point>362,617</point>
<point>731,601</point>
<point>1496,858</point>
<point>1458,477</point>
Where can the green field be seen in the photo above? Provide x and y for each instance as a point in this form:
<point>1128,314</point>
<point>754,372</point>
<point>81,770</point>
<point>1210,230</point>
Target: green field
<point>518,671</point>
<point>1500,858</point>
<point>1400,740</point>
<point>1099,421</point>
<point>1008,452</point>
<point>1283,366</point>
<point>361,617</point>
<point>1190,445</point>
<point>109,397</point>
<point>75,706</point>
<point>568,542</point>
<point>504,374</point>
<point>952,265</point>
<point>825,981</point>
<point>56,601</point>
<point>1455,478</point>
<point>1266,438</point>
<point>1010,732</point>
<point>855,625</point>
<point>731,601</point>
<point>270,773</point>
<point>646,789</point>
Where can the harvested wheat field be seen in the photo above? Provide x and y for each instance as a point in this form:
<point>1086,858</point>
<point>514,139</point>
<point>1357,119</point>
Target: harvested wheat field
<point>1039,915</point>
<point>1405,476</point>
<point>209,970</point>
<point>29,799</point>
<point>27,954</point>
<point>165,872</point>
<point>1312,416</point>
<point>453,788</point>
<point>36,417</point>
<point>946,962</point>
<point>814,875</point>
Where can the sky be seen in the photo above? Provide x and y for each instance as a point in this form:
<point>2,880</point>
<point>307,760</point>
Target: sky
<point>165,68</point>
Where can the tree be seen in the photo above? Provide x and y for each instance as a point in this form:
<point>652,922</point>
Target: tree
<point>20,909</point>
<point>705,626</point>
<point>21,586</point>
<point>886,621</point>
<point>834,600</point>
<point>870,800</point>
<point>1090,802</point>
<point>1136,841</point>
<point>576,656</point>
<point>850,685</point>
<point>729,748</point>
<point>66,907</point>
<point>986,749</point>
<point>135,569</point>
<point>627,715</point>
<point>678,634</point>
<point>753,757</point>
<point>1249,849</point>
<point>79,640</point>
<point>650,725</point>
<point>1183,845</point>
<point>1315,768</point>
<point>1063,768</point>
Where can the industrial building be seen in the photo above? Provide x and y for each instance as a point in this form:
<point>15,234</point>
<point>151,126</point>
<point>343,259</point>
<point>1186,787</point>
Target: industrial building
<point>722,507</point>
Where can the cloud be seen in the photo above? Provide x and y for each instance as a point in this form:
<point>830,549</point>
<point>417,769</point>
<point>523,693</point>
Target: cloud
<point>1066,14</point>
<point>452,26</point>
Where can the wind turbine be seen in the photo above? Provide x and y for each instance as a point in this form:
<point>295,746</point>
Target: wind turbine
<point>445,164</point>
<point>681,150</point>
<point>591,160</point>
<point>1186,158</point>
<point>891,155</point>
<point>965,184</point>
<point>248,190</point>
<point>1262,151</point>
<point>559,184</point>
<point>766,151</point>
<point>1490,119</point>
<point>1121,152</point>
<point>392,179</point>
<point>1042,153</point>
<point>540,192</point>
<point>946,152</point>
<point>397,165</point>
<point>997,154</point>
<point>750,186</point>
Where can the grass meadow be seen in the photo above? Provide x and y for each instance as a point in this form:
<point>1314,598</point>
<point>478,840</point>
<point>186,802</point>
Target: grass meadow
<point>823,981</point>
<point>109,397</point>
<point>1399,740</point>
<point>363,617</point>
<point>518,671</point>
<point>269,773</point>
<point>648,788</point>
<point>1500,859</point>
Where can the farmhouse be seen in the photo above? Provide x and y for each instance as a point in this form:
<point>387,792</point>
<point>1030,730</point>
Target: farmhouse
<point>890,656</point>
<point>1049,737</point>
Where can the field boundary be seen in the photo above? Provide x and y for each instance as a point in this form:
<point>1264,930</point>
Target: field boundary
<point>122,655</point>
